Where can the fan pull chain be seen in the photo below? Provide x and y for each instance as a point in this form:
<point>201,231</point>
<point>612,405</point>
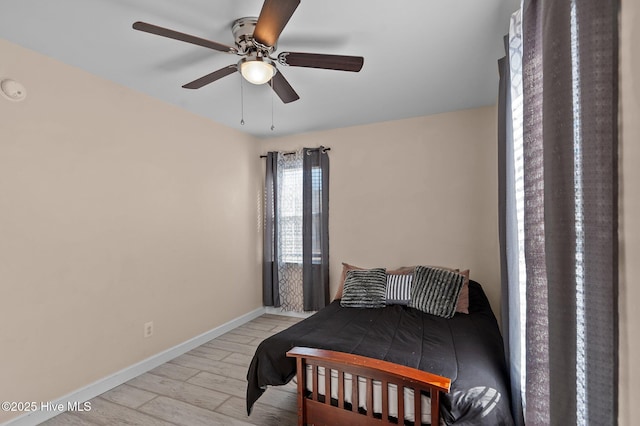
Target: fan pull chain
<point>272,95</point>
<point>241,101</point>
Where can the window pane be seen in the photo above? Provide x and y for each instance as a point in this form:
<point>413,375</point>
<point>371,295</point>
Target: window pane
<point>290,198</point>
<point>316,209</point>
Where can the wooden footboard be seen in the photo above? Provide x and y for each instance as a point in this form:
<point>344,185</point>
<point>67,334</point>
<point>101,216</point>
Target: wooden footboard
<point>315,409</point>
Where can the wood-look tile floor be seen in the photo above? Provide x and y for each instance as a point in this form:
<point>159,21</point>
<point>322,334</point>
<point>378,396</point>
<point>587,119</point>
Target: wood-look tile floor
<point>205,386</point>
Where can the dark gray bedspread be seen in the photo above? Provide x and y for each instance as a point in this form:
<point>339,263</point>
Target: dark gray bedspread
<point>467,349</point>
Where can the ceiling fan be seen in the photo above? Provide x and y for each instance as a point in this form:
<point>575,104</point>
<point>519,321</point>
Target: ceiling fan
<point>255,42</point>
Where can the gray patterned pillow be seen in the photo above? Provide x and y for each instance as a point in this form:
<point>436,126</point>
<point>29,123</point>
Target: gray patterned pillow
<point>435,291</point>
<point>365,288</point>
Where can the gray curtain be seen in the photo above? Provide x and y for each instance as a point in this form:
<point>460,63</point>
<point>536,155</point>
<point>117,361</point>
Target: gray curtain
<point>315,224</point>
<point>277,267</point>
<point>570,148</point>
<point>573,155</point>
<point>270,281</point>
<point>569,69</point>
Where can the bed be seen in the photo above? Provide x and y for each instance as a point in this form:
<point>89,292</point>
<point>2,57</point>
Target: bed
<point>466,349</point>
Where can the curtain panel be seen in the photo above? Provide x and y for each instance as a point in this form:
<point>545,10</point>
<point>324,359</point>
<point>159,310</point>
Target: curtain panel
<point>315,224</point>
<point>508,230</point>
<point>569,285</point>
<point>571,71</point>
<point>270,256</point>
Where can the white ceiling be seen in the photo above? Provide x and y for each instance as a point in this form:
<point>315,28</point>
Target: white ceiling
<point>421,56</point>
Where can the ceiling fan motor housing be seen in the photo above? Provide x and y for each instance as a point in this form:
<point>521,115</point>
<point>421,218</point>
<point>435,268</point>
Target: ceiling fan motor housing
<point>242,29</point>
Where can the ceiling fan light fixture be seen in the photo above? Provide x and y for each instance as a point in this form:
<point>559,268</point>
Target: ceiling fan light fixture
<point>257,70</point>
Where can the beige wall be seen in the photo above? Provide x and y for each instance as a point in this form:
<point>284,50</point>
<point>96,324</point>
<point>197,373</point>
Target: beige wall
<point>115,209</point>
<point>629,216</point>
<point>415,191</point>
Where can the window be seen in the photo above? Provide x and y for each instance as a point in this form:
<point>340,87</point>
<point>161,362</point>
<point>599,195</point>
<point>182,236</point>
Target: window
<point>290,198</point>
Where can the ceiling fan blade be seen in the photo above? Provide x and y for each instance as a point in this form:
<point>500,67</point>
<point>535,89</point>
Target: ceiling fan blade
<point>283,89</point>
<point>318,60</point>
<point>210,78</point>
<point>165,32</point>
<point>273,17</point>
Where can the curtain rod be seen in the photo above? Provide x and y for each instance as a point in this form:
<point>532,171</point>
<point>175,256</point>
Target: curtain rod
<point>324,149</point>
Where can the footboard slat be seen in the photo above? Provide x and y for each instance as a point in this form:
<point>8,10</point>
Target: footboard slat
<point>417,404</point>
<point>385,400</point>
<point>314,377</point>
<point>400,403</point>
<point>341,389</point>
<point>369,391</point>
<point>312,411</point>
<point>327,386</point>
<point>354,393</point>
<point>435,404</point>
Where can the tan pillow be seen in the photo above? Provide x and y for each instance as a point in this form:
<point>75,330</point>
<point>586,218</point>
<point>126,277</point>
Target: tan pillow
<point>403,270</point>
<point>463,299</point>
<point>345,268</point>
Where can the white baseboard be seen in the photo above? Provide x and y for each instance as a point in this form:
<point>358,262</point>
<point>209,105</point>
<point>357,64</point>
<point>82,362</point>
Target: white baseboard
<point>103,385</point>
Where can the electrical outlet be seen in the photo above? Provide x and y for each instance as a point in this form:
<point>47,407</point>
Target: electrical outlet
<point>148,329</point>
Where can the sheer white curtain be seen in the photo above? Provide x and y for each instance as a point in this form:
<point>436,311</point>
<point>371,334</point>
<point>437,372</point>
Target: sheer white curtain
<point>289,237</point>
<point>511,189</point>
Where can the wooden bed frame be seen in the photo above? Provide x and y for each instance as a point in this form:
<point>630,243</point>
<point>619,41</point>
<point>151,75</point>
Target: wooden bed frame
<point>316,410</point>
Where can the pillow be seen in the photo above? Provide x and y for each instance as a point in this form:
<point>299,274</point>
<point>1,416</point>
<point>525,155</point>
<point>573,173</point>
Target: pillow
<point>346,268</point>
<point>365,288</point>
<point>435,291</point>
<point>403,270</point>
<point>399,289</point>
<point>463,299</point>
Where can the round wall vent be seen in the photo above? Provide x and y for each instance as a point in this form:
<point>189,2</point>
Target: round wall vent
<point>12,90</point>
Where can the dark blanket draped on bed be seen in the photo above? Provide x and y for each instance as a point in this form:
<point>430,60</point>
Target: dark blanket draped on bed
<point>466,348</point>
